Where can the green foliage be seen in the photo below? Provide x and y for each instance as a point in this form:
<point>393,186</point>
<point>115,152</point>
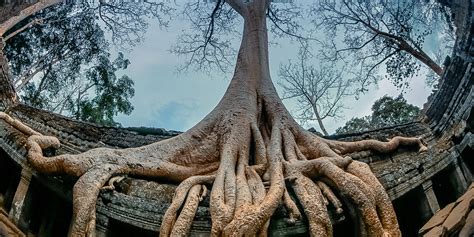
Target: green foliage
<point>386,111</point>
<point>112,93</point>
<point>67,68</point>
<point>355,125</point>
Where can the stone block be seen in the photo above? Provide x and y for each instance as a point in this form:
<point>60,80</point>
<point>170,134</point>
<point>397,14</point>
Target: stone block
<point>457,217</point>
<point>436,232</point>
<point>438,218</point>
<point>468,229</point>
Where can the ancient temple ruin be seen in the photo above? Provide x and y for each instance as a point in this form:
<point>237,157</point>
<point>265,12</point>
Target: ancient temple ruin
<point>419,184</point>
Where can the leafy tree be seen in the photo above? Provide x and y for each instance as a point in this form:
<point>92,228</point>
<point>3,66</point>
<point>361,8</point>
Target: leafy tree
<point>386,111</point>
<point>52,49</point>
<point>57,63</point>
<point>356,125</point>
<point>249,139</point>
<point>379,32</point>
<point>111,94</point>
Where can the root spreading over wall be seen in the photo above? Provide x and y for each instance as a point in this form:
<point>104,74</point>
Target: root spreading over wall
<point>314,168</point>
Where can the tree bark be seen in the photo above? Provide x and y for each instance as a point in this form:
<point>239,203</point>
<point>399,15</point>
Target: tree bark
<point>320,121</point>
<point>34,99</point>
<point>422,56</point>
<point>30,10</point>
<point>7,90</point>
<point>13,8</point>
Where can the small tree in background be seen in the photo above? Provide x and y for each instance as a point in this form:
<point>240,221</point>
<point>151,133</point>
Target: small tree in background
<point>356,124</point>
<point>386,111</point>
<point>318,90</point>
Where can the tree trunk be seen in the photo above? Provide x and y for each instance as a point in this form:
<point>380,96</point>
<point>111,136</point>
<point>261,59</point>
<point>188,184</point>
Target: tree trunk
<point>422,56</point>
<point>7,90</point>
<point>320,121</point>
<point>36,94</point>
<point>30,24</point>
<point>29,11</point>
<point>13,8</point>
<point>405,46</point>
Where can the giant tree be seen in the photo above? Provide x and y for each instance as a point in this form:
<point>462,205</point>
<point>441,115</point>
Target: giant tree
<point>247,140</point>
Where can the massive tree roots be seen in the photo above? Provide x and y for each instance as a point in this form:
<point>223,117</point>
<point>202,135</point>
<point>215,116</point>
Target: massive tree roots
<point>239,158</point>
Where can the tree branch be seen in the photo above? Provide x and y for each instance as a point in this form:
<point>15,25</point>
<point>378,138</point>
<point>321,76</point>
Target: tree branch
<point>30,24</point>
<point>40,5</point>
<point>239,6</point>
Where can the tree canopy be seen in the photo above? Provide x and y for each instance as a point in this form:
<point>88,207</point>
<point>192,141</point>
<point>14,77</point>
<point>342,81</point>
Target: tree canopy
<point>370,34</point>
<point>62,63</point>
<point>386,111</point>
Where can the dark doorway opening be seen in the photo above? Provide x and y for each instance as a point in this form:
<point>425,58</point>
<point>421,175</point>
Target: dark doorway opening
<point>467,155</point>
<point>413,211</point>
<point>10,174</point>
<point>45,212</point>
<point>445,186</point>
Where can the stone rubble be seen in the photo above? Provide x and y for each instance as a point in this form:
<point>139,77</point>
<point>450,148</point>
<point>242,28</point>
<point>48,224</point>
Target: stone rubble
<point>456,219</point>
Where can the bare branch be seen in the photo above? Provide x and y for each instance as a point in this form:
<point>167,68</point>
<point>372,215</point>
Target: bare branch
<point>319,91</point>
<point>369,28</point>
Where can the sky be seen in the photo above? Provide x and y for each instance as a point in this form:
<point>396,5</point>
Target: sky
<point>177,101</point>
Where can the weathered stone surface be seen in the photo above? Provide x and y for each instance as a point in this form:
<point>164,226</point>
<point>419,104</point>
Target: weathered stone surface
<point>85,136</point>
<point>468,229</point>
<point>438,218</point>
<point>436,232</point>
<point>454,217</point>
<point>457,217</point>
<point>150,190</point>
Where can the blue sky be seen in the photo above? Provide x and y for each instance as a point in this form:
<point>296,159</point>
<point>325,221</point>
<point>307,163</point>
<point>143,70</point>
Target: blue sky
<point>177,101</point>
